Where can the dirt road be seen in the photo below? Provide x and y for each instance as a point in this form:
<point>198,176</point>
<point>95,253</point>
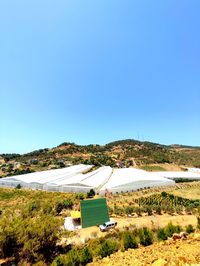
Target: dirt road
<point>122,223</point>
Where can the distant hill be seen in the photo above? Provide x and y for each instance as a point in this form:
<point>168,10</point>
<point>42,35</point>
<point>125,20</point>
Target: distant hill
<point>121,153</point>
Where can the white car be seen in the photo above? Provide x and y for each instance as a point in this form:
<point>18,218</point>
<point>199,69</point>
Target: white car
<point>107,225</point>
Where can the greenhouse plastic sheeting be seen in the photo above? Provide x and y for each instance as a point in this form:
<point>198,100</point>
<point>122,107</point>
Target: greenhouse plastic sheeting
<point>79,178</point>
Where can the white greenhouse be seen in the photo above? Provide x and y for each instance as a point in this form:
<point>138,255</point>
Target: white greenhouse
<point>182,175</point>
<point>38,180</point>
<point>131,179</point>
<point>82,178</point>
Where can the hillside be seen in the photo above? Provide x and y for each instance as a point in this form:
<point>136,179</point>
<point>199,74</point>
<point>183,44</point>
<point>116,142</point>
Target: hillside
<point>33,234</point>
<point>180,252</point>
<point>146,155</point>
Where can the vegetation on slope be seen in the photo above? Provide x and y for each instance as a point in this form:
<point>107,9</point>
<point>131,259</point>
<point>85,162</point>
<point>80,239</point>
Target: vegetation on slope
<point>31,225</point>
<point>119,153</point>
<point>169,252</point>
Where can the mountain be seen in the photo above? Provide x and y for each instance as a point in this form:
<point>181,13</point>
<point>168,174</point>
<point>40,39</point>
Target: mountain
<point>127,153</point>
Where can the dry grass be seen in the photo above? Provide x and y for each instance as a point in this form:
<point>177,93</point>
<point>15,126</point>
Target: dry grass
<point>190,192</point>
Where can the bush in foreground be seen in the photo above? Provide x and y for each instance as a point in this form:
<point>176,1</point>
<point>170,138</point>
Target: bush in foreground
<point>190,229</point>
<point>128,241</point>
<point>161,235</point>
<point>32,238</point>
<point>146,236</point>
<point>170,229</point>
<point>108,247</point>
<point>74,257</point>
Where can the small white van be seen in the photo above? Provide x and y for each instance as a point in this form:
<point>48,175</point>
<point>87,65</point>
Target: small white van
<point>107,225</point>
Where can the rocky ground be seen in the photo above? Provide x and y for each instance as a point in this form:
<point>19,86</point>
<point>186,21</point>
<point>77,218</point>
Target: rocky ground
<point>170,252</point>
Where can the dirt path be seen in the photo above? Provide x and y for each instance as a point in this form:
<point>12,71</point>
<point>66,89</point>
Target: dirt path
<point>149,221</point>
<point>157,220</point>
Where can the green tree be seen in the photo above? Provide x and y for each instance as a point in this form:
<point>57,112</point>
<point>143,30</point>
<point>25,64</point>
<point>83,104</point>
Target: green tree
<point>39,237</point>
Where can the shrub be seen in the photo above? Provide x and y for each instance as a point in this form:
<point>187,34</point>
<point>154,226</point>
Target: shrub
<point>110,210</point>
<point>161,235</point>
<point>198,222</point>
<point>170,229</point>
<point>108,247</point>
<point>138,211</point>
<point>71,259</point>
<point>85,256</point>
<point>117,210</point>
<point>58,207</point>
<point>80,196</point>
<point>189,209</point>
<point>59,261</point>
<point>190,229</point>
<point>8,237</point>
<point>164,194</point>
<point>67,203</point>
<point>94,246</point>
<point>146,236</point>
<point>179,209</point>
<point>169,209</point>
<point>33,206</point>
<point>128,241</point>
<point>47,208</point>
<point>91,193</point>
<point>158,209</point>
<point>149,210</point>
<point>128,210</point>
<point>18,186</point>
<point>74,257</point>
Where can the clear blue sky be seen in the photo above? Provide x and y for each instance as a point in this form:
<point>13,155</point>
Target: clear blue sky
<point>95,71</point>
